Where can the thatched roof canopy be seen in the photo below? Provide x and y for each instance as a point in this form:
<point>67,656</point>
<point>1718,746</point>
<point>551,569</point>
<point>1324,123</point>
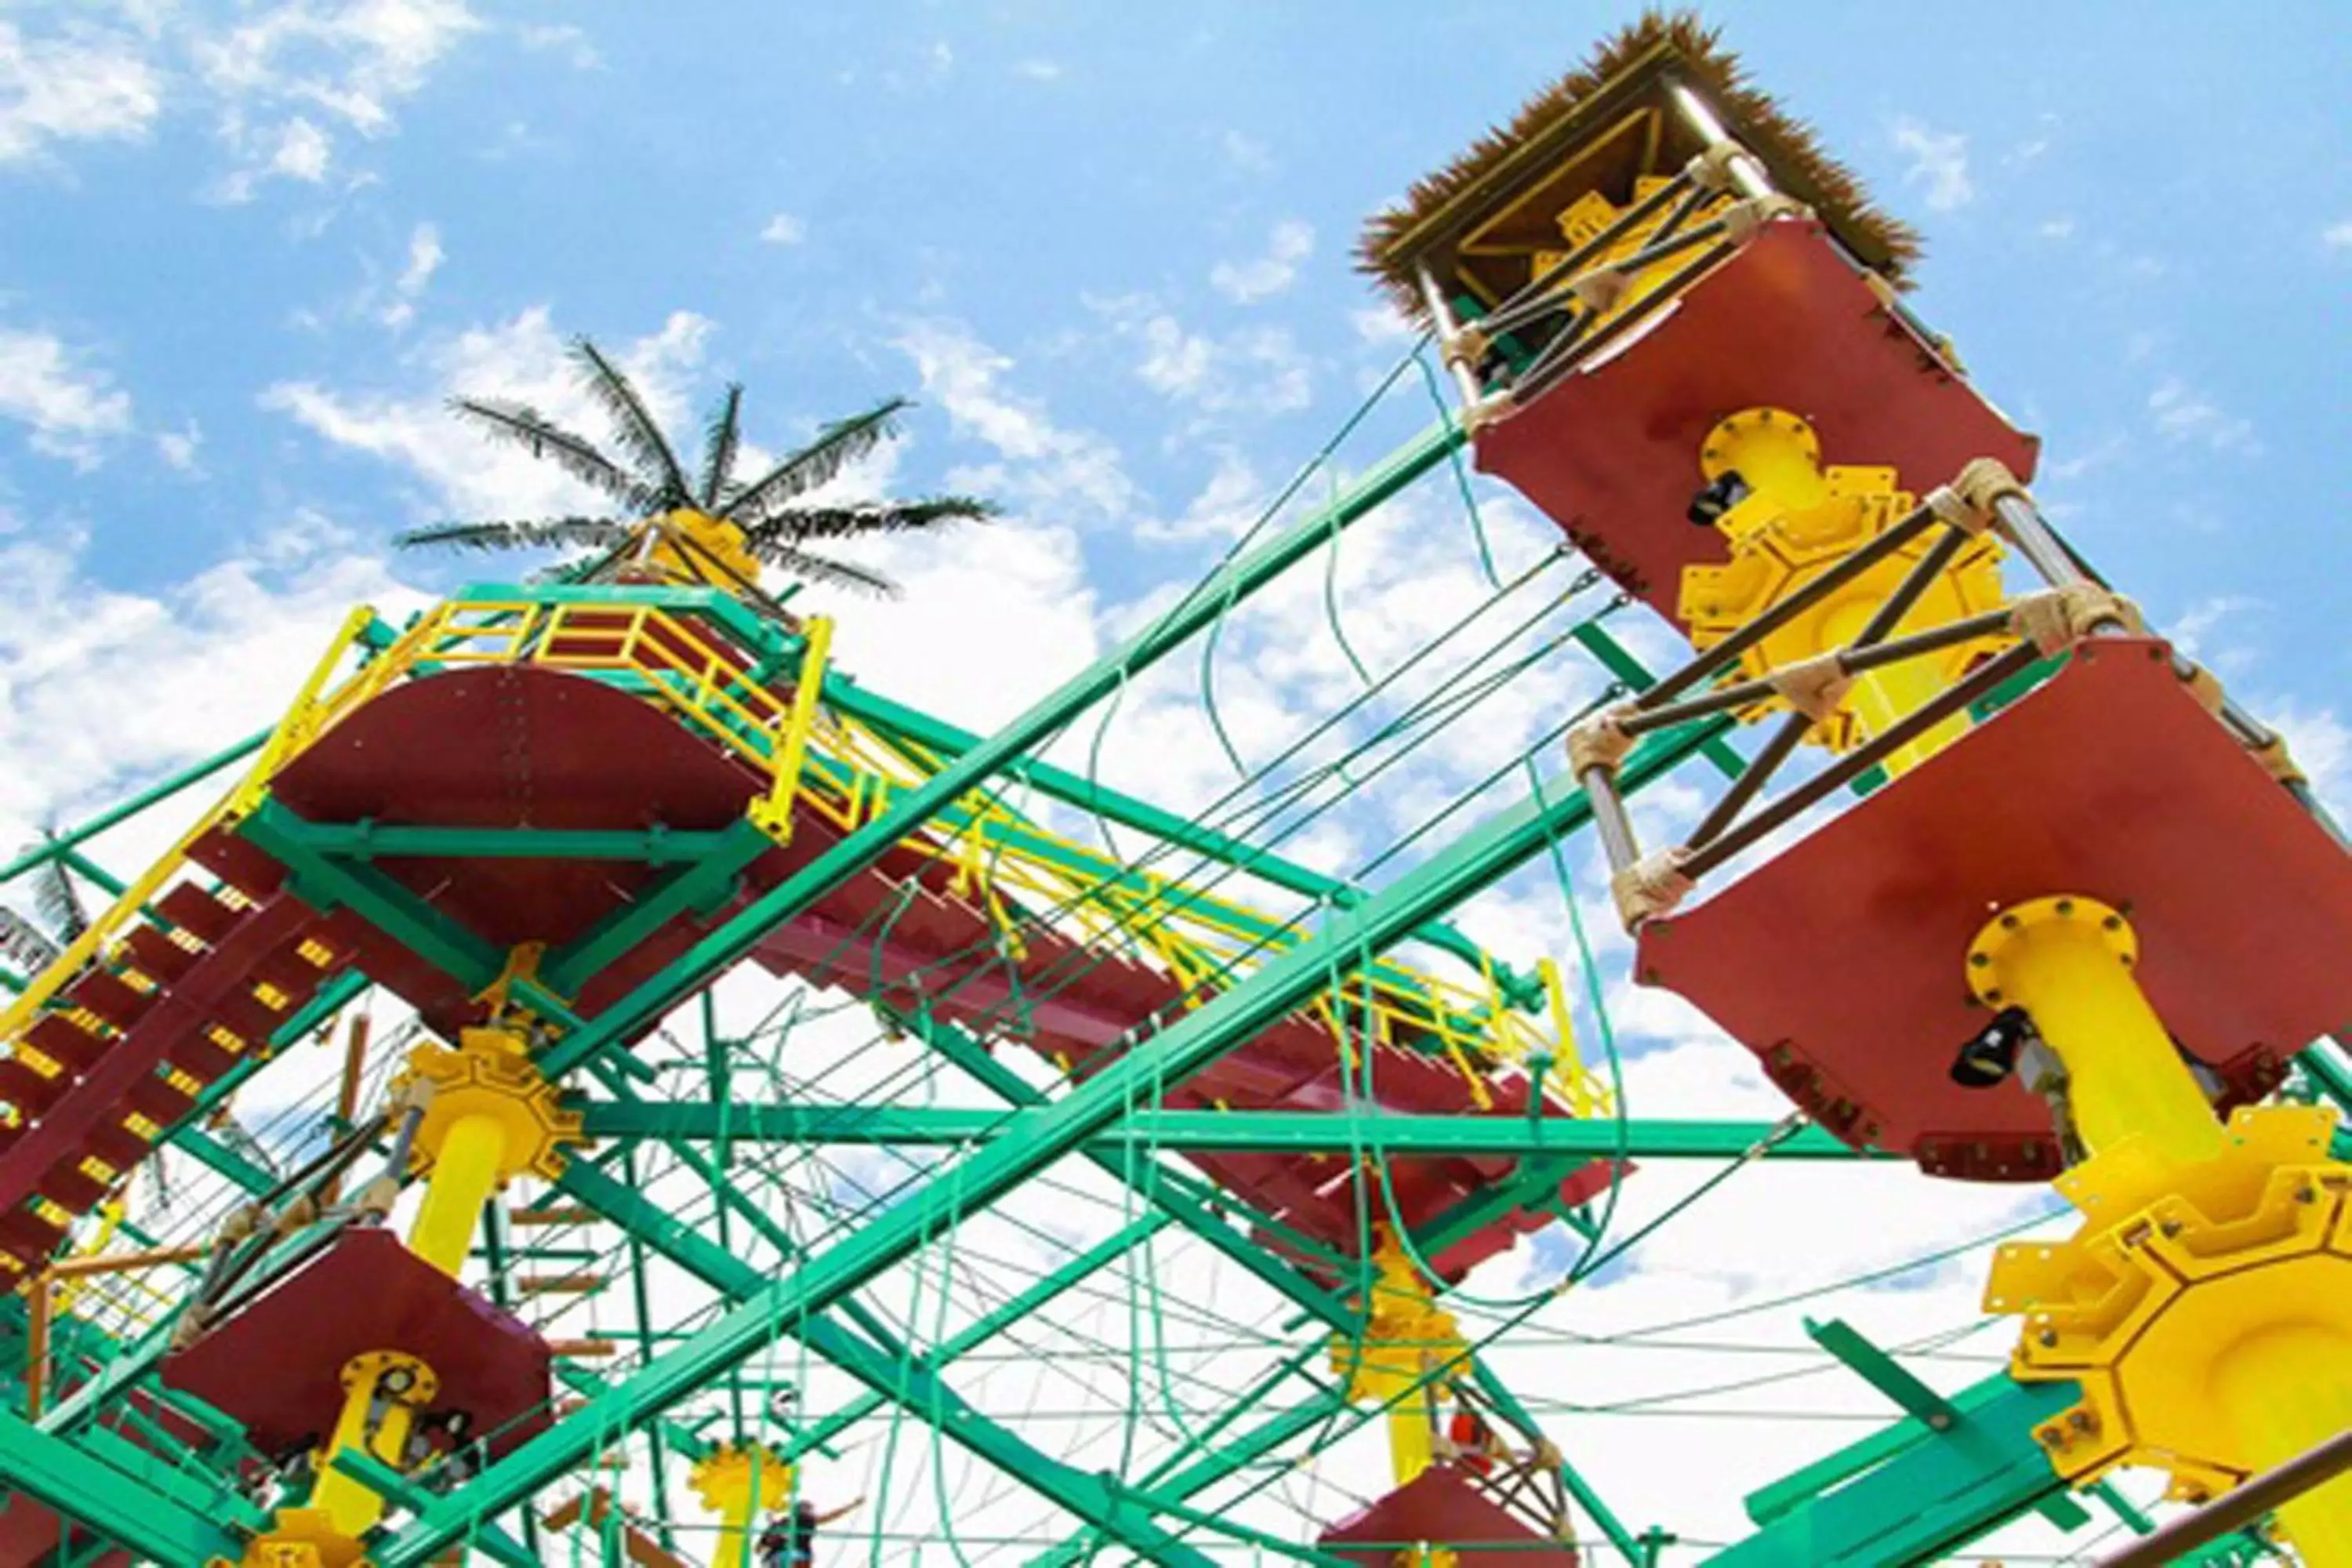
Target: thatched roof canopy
<point>1600,128</point>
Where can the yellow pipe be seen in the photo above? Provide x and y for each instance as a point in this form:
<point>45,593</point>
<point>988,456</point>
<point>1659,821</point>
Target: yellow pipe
<point>1410,1447</point>
<point>2285,1390</point>
<point>466,1172</point>
<point>2068,962</point>
<point>351,1506</point>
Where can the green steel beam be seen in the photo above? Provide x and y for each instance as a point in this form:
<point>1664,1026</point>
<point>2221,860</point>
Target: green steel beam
<point>327,883</point>
<point>905,1380</point>
<point>1480,857</point>
<point>1212,598</point>
<point>695,888</point>
<point>1923,1494</point>
<point>1204,1132</point>
<point>711,604</point>
<point>374,841</point>
<point>132,1512</point>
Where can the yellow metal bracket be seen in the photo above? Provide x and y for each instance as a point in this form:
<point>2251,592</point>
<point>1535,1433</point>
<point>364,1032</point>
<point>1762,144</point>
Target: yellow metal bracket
<point>772,814</point>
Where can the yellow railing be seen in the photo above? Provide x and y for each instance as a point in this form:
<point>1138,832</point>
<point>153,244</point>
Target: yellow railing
<point>847,775</point>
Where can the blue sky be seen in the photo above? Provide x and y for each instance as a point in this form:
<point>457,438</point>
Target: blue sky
<point>246,250</point>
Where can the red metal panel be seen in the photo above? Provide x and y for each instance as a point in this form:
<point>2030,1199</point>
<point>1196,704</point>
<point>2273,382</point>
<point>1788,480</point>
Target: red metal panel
<point>1443,1507</point>
<point>1611,453</point>
<point>274,1365</point>
<point>517,747</point>
<point>1838,961</point>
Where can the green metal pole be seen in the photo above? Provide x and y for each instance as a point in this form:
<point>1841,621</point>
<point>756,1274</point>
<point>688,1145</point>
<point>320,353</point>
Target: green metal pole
<point>1209,1132</point>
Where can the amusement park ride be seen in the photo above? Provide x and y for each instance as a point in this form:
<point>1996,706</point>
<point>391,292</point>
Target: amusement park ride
<point>2049,907</point>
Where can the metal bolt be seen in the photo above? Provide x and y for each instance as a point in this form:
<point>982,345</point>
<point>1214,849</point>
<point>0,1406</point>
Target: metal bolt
<point>2010,921</point>
<point>2048,1338</point>
<point>1980,959</point>
<point>2065,906</point>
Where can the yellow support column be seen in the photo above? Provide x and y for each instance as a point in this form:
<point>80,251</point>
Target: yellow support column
<point>2068,961</point>
<point>2205,1304</point>
<point>1794,518</point>
<point>738,1482</point>
<point>467,1170</point>
<point>406,1384</point>
<point>1408,1345</point>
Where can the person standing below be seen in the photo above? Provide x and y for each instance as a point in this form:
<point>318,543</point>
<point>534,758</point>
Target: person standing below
<point>789,1540</point>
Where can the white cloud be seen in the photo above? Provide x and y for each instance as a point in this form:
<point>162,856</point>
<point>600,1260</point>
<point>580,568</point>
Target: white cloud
<point>2060,227</point>
<point>2338,235</point>
<point>2182,414</point>
<point>784,229</point>
<point>560,38</point>
<point>1255,370</point>
<point>1041,71</point>
<point>1247,153</point>
<point>1263,277</point>
<point>1231,501</point>
<point>100,687</point>
<point>72,406</point>
<point>1939,162</point>
<point>1039,465</point>
<point>348,61</point>
<point>424,259</point>
<point>523,358</point>
<point>178,447</point>
<point>80,86</point>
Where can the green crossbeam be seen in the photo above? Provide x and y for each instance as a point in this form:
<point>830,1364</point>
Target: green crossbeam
<point>1211,1131</point>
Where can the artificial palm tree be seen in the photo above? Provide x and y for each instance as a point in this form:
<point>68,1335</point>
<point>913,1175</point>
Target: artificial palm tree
<point>711,528</point>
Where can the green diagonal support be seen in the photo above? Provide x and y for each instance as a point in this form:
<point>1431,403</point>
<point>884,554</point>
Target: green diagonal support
<point>1479,858</point>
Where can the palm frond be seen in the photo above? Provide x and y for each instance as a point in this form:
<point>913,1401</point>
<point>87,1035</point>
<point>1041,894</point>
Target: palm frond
<point>658,466</point>
<point>540,533</point>
<point>873,517</point>
<point>788,558</point>
<point>57,900</point>
<point>24,946</point>
<point>837,446</point>
<point>720,439</point>
<point>520,425</point>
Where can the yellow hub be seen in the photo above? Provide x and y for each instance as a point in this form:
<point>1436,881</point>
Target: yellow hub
<point>700,550</point>
<point>2205,1304</point>
<point>488,1115</point>
<point>1406,1337</point>
<point>1798,519</point>
<point>738,1482</point>
<point>299,1537</point>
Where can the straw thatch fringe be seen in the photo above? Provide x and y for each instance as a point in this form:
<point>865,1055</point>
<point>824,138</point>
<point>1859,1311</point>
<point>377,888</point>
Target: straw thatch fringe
<point>1786,144</point>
